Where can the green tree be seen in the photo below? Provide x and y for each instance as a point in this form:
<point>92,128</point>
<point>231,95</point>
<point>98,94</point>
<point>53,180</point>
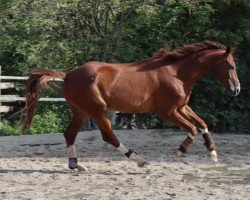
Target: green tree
<point>63,34</point>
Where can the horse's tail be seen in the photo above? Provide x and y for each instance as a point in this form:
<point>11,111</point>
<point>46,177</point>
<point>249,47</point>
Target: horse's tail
<point>36,83</point>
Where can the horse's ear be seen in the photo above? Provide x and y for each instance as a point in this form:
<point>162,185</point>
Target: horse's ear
<point>233,50</point>
<point>228,50</point>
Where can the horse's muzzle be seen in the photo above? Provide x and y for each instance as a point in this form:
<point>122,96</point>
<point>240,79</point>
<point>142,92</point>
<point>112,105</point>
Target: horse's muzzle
<point>234,90</point>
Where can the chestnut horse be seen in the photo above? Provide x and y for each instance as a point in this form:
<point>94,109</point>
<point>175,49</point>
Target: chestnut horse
<point>161,84</point>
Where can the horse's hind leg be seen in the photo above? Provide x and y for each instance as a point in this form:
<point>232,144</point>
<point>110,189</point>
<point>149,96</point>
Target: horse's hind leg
<point>70,134</point>
<point>105,127</point>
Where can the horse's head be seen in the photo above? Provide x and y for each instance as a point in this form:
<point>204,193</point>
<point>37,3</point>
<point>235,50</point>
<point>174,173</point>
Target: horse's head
<point>225,71</point>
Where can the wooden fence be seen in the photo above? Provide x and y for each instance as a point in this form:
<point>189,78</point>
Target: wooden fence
<point>4,84</point>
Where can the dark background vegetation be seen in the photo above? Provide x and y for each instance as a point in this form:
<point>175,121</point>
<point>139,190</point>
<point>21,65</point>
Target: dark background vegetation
<point>63,34</point>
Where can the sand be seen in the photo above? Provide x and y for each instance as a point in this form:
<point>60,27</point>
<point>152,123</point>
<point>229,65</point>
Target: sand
<point>35,167</point>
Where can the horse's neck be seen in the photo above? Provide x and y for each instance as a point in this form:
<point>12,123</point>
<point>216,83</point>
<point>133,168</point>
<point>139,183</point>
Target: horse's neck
<point>195,67</point>
<point>149,64</point>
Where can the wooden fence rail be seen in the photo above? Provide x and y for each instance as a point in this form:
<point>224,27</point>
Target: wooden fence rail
<point>15,98</point>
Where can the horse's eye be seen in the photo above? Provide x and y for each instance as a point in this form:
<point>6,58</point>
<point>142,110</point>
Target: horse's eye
<point>231,66</point>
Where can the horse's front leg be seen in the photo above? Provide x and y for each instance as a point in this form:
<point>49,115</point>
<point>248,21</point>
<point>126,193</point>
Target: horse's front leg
<point>177,119</point>
<point>189,114</point>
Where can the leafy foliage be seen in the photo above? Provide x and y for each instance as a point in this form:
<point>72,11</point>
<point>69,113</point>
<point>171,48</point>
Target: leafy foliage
<point>64,34</point>
<point>49,122</point>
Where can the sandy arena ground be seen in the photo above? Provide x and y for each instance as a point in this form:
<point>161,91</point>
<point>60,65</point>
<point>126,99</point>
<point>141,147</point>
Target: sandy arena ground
<point>35,167</point>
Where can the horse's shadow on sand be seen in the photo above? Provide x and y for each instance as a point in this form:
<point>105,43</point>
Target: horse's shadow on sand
<point>66,171</point>
<point>30,171</point>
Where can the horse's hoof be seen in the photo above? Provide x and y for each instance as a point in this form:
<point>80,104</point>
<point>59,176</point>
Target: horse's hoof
<point>142,164</point>
<point>177,154</point>
<point>73,163</point>
<point>213,156</point>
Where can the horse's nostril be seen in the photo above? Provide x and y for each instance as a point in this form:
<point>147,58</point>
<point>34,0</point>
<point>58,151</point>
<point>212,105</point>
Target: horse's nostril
<point>238,89</point>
